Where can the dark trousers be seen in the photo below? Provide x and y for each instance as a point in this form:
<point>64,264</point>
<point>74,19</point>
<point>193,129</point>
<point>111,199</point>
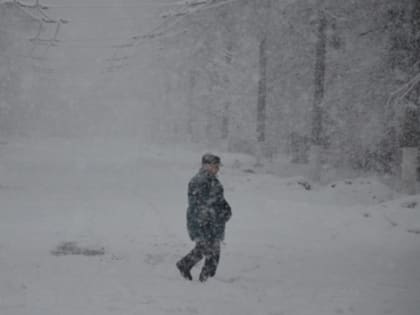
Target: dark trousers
<point>208,249</point>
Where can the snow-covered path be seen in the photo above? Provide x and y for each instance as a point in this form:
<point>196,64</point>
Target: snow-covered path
<point>329,250</point>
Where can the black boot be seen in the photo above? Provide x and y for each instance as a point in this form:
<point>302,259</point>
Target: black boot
<point>184,271</point>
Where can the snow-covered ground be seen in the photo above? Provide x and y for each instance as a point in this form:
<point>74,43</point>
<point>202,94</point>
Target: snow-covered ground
<point>349,247</point>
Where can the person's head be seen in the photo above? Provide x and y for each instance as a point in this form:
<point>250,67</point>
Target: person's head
<point>211,163</point>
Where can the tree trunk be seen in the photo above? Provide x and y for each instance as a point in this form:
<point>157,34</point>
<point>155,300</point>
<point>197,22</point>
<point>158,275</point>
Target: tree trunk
<point>190,103</point>
<point>262,90</point>
<point>408,167</point>
<point>227,104</point>
<point>410,141</point>
<point>262,99</point>
<point>209,122</point>
<point>319,89</point>
<point>319,80</point>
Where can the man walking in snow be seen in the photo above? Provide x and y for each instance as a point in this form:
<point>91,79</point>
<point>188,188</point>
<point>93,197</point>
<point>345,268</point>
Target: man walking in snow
<point>207,214</point>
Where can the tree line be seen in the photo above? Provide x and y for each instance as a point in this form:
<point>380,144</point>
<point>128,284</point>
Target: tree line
<point>266,77</point>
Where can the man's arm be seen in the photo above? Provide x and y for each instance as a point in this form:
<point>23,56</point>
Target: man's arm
<point>226,211</point>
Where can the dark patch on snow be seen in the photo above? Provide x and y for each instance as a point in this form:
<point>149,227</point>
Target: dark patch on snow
<point>414,231</point>
<point>348,182</point>
<point>71,248</point>
<point>250,171</point>
<point>305,185</point>
<point>333,185</point>
<point>409,204</point>
<point>366,215</point>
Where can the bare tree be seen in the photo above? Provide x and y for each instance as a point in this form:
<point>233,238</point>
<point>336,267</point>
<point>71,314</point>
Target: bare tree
<point>319,90</point>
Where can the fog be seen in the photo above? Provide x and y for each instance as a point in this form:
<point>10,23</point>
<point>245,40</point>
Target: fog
<point>259,77</point>
<point>87,81</point>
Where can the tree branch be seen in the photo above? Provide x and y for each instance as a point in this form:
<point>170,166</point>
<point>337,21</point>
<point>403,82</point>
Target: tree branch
<point>401,92</point>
